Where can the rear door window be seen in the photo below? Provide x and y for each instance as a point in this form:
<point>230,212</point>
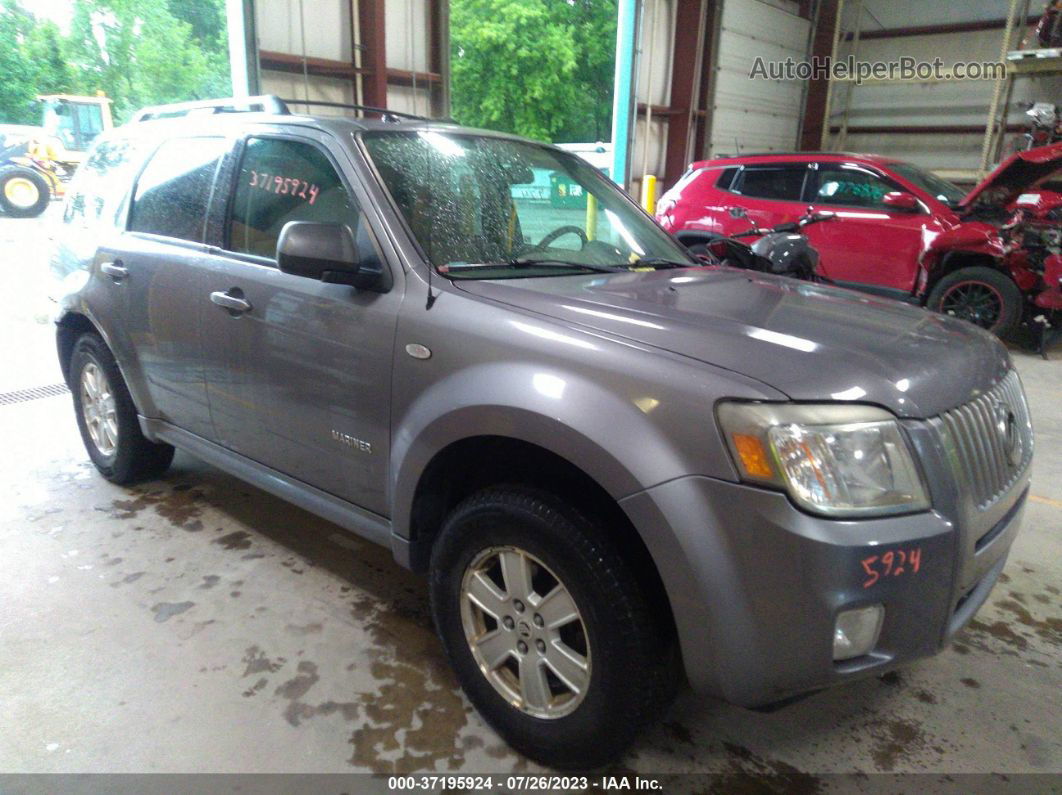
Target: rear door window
<point>173,191</point>
<point>282,180</point>
<point>783,182</point>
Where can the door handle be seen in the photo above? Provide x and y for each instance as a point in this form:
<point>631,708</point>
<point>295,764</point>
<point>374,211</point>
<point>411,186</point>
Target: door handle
<point>234,303</point>
<point>114,269</point>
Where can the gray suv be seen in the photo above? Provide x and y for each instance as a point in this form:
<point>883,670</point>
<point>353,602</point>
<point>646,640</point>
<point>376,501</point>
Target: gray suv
<point>617,467</point>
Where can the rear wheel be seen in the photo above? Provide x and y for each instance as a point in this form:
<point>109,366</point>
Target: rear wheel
<point>107,417</point>
<point>981,295</point>
<point>548,628</point>
<point>23,192</point>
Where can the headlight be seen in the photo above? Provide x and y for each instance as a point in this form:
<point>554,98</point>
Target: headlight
<point>833,459</point>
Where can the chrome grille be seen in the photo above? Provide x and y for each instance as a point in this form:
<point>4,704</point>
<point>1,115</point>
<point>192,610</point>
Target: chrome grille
<point>979,448</point>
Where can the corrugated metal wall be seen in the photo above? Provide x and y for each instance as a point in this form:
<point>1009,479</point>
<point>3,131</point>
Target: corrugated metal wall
<point>750,115</point>
<point>326,28</point>
<point>757,115</point>
<point>914,105</point>
<point>657,32</point>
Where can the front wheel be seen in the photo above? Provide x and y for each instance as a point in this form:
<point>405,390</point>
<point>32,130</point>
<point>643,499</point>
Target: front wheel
<point>23,192</point>
<point>981,295</point>
<point>548,628</point>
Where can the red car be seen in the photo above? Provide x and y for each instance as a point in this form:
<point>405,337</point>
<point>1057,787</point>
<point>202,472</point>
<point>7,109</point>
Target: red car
<point>899,231</point>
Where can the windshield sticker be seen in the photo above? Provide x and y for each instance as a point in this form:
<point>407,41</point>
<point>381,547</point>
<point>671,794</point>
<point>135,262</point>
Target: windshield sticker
<point>285,186</point>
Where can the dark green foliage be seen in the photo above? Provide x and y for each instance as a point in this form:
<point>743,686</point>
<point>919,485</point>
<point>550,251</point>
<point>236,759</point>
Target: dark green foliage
<point>138,52</point>
<point>540,68</point>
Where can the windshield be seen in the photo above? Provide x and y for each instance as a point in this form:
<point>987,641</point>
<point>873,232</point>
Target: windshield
<point>490,208</point>
<point>938,188</point>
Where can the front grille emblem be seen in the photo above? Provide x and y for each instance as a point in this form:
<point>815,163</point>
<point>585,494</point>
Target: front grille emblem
<point>1009,433</point>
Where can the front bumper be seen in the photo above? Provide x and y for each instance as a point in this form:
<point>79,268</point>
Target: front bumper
<point>756,584</point>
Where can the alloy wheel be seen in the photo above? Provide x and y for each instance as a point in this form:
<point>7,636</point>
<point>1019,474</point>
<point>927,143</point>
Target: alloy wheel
<point>977,302</point>
<point>525,632</point>
<point>98,409</point>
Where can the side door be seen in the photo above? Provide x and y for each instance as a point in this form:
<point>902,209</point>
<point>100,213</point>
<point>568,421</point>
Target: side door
<point>867,244</point>
<point>300,380</point>
<point>770,193</point>
<point>160,266</point>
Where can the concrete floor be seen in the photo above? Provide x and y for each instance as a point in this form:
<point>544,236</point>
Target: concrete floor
<point>197,624</point>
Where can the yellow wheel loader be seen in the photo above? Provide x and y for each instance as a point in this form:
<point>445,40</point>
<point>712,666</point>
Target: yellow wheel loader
<point>36,162</point>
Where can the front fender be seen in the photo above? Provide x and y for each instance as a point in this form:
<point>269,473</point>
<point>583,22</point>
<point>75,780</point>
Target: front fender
<point>971,239</point>
<point>608,437</point>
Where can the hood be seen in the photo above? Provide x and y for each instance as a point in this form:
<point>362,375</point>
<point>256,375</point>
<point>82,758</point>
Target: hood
<point>1015,175</point>
<point>810,342</point>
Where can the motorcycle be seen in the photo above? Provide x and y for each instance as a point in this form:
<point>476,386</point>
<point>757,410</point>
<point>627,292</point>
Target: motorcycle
<point>781,250</point>
<point>1044,126</point>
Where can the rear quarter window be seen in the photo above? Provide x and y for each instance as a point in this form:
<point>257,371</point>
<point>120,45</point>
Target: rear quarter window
<point>726,178</point>
<point>173,190</point>
<point>97,192</point>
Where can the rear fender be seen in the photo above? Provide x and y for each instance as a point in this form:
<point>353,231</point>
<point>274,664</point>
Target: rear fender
<point>74,313</point>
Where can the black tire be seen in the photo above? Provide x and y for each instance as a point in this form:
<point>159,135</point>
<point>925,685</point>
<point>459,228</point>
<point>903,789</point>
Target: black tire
<point>134,457</point>
<point>981,295</point>
<point>8,176</point>
<point>630,648</point>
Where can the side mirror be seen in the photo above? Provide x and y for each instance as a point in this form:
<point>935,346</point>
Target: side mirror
<point>319,251</point>
<point>901,201</point>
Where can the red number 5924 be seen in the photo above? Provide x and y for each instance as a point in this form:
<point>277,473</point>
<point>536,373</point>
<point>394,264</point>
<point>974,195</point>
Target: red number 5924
<point>894,563</point>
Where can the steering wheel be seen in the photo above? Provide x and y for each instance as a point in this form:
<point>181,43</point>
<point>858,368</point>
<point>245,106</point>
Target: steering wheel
<point>560,231</point>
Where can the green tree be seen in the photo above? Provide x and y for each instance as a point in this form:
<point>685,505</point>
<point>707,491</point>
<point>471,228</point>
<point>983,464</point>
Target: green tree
<point>43,52</point>
<point>17,92</point>
<point>206,18</point>
<point>139,54</point>
<point>540,68</point>
<point>594,24</point>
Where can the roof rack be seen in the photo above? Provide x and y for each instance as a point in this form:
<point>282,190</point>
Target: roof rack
<point>385,114</point>
<point>264,104</point>
<point>267,103</point>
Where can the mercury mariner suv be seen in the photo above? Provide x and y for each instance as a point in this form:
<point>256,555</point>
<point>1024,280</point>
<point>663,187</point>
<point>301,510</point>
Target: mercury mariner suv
<point>617,467</point>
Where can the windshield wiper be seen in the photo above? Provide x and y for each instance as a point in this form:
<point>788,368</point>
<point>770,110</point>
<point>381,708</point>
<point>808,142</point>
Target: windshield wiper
<point>527,262</point>
<point>658,262</point>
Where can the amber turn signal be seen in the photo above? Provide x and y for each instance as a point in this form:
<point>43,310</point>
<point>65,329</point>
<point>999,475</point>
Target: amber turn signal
<point>753,456</point>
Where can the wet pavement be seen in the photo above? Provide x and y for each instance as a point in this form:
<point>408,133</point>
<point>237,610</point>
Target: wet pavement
<point>195,623</point>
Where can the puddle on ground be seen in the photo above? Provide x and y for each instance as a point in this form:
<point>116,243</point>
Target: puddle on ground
<point>237,540</point>
<point>164,611</point>
<point>179,505</point>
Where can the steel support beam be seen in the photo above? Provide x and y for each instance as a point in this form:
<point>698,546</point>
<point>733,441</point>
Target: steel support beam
<point>374,56</point>
<point>439,56</point>
<point>623,95</point>
<point>702,134</point>
<point>921,129</point>
<point>687,69</point>
<point>816,102</point>
<point>243,47</point>
<point>937,30</point>
<point>318,67</point>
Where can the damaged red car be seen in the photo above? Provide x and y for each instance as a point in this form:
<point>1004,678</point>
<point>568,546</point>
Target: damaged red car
<point>991,256</point>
